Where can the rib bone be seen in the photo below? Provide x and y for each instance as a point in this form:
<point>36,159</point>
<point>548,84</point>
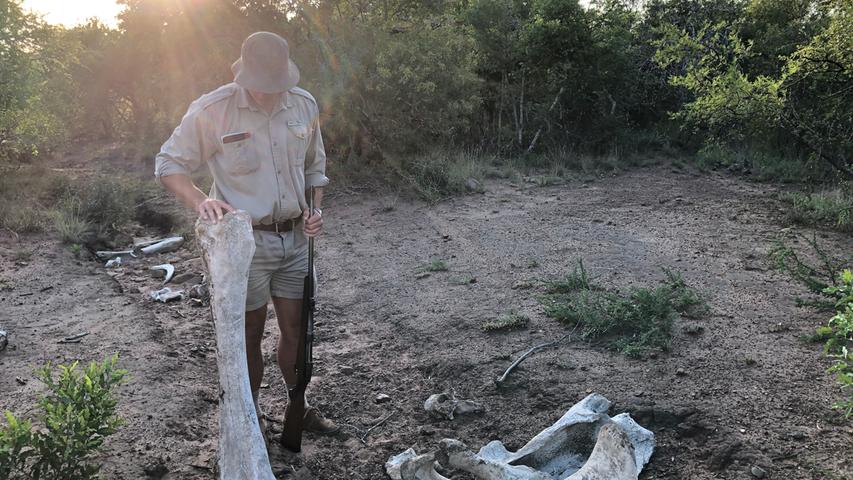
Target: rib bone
<point>227,249</point>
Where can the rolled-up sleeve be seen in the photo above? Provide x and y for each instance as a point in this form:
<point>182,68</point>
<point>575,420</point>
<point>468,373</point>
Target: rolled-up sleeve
<point>315,160</point>
<point>188,147</point>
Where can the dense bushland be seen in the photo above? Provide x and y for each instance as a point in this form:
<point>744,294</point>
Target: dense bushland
<point>758,86</point>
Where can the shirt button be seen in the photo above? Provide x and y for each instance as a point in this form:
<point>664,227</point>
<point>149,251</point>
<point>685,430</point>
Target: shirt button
<point>279,172</point>
<point>274,144</point>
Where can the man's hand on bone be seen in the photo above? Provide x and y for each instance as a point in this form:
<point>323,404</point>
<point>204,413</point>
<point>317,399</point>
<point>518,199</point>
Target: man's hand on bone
<point>312,225</point>
<point>211,209</point>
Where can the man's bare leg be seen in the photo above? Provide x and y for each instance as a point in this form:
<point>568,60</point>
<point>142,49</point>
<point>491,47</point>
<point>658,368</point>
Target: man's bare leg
<point>255,321</point>
<point>289,315</point>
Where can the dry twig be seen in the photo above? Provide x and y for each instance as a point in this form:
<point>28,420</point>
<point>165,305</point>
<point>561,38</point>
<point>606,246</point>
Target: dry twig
<point>500,380</point>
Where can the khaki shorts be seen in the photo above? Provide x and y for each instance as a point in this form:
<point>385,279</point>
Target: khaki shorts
<point>278,268</point>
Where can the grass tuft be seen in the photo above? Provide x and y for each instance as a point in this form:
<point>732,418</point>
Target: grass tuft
<point>830,207</point>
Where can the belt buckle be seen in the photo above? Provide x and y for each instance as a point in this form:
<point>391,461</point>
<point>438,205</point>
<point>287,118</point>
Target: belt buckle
<point>276,227</point>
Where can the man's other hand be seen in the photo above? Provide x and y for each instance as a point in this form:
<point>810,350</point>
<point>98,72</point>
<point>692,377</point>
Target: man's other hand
<point>312,224</point>
<point>214,210</point>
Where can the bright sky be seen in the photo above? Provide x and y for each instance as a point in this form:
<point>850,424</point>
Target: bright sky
<point>74,12</point>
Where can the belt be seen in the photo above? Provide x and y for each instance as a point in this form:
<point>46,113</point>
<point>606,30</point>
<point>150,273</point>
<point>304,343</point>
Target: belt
<point>279,227</point>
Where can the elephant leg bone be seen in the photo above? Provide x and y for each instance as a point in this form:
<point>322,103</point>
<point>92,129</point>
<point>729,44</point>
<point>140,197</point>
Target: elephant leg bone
<point>227,248</point>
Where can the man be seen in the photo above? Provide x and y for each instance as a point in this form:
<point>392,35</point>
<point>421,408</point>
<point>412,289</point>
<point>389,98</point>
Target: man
<point>260,138</point>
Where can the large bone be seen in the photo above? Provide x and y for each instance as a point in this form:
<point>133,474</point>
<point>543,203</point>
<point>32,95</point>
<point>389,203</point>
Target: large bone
<point>585,444</point>
<point>227,248</point>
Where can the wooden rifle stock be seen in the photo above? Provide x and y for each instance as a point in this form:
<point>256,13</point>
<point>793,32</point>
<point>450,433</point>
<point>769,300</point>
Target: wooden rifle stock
<point>291,436</point>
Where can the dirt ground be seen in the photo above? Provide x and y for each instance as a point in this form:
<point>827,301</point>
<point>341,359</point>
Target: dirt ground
<point>748,393</point>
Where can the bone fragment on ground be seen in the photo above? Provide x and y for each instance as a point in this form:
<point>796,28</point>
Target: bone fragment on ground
<point>227,249</point>
<point>4,339</point>
<point>164,246</point>
<point>110,254</point>
<point>166,295</point>
<point>446,405</point>
<point>585,444</point>
<point>116,262</point>
<point>411,466</point>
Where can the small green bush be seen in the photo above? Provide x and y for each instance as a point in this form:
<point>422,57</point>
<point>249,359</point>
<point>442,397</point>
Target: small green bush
<point>843,369</point>
<point>507,321</point>
<point>633,324</point>
<point>436,265</point>
<point>839,344</point>
<point>78,413</point>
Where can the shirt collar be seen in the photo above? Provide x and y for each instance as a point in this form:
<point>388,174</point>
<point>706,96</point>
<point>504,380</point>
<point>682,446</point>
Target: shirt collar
<point>244,100</point>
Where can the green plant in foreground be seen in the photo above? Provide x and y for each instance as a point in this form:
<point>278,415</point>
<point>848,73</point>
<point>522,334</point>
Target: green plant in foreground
<point>436,265</point>
<point>633,324</point>
<point>843,370</point>
<point>78,413</point>
<point>507,321</point>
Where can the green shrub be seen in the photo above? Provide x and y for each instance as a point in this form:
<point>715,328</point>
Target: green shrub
<point>843,369</point>
<point>633,324</point>
<point>817,270</point>
<point>78,413</point>
<point>839,344</point>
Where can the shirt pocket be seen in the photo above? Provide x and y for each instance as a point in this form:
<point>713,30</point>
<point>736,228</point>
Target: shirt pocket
<point>240,157</point>
<point>300,133</point>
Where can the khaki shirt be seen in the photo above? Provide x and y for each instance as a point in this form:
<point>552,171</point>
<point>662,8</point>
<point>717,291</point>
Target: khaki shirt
<point>260,163</point>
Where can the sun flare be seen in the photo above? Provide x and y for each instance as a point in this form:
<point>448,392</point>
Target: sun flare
<point>74,13</point>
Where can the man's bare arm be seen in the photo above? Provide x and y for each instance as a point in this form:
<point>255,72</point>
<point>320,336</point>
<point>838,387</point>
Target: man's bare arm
<point>184,189</point>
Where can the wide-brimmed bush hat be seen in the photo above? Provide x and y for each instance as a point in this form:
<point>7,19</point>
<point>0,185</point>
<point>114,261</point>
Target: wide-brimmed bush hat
<point>265,65</point>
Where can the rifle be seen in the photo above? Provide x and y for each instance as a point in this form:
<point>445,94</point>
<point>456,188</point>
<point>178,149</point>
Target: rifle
<point>291,436</point>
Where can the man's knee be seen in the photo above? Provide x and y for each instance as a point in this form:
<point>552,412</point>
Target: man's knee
<point>255,322</point>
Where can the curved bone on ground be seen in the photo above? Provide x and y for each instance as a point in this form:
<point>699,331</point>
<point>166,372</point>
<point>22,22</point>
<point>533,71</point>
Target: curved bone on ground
<point>411,466</point>
<point>445,405</point>
<point>166,267</point>
<point>227,249</point>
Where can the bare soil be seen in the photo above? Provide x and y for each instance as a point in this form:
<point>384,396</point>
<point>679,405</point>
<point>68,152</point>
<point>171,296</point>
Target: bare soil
<point>746,391</point>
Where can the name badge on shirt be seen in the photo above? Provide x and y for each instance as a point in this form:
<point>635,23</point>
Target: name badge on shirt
<point>235,137</point>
